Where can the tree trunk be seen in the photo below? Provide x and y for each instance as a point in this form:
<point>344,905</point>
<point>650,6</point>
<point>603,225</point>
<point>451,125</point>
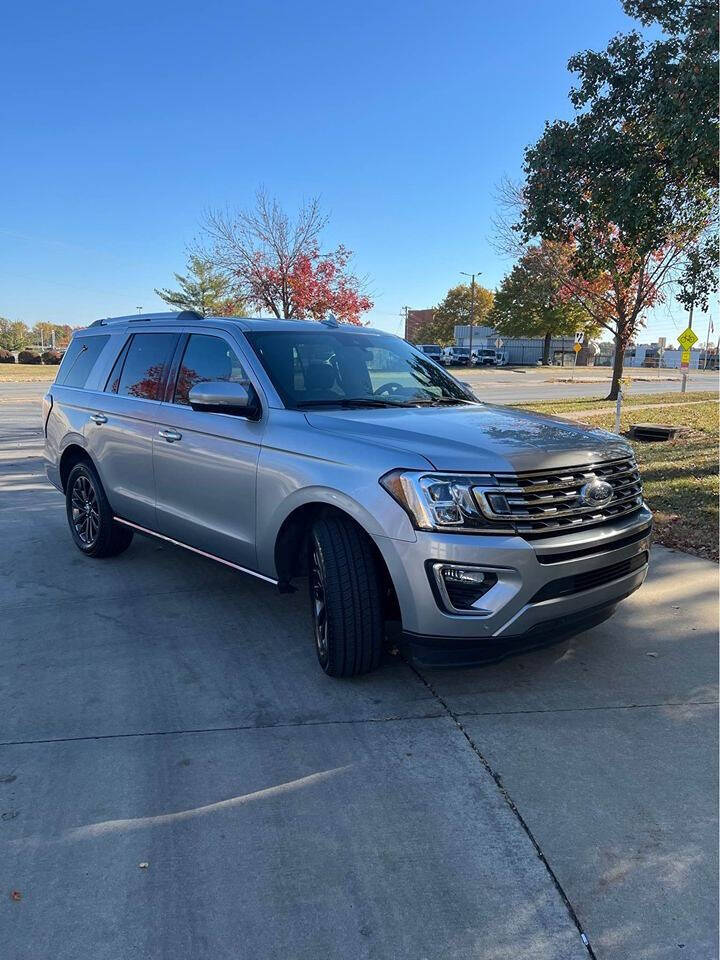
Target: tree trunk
<point>617,366</point>
<point>546,348</point>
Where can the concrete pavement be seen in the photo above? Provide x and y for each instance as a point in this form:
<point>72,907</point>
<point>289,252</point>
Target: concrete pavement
<point>159,709</point>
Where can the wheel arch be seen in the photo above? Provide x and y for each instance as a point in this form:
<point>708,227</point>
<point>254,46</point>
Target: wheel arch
<point>292,542</point>
<point>73,454</point>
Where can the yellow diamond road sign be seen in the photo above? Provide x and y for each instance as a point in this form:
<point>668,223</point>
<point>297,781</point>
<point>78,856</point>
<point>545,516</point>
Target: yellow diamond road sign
<point>577,347</point>
<point>687,338</point>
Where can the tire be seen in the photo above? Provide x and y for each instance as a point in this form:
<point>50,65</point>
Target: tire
<point>90,518</point>
<point>346,598</point>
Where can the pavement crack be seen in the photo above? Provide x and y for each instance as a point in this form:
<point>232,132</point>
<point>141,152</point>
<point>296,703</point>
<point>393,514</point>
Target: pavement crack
<point>440,714</point>
<point>619,706</point>
<point>447,710</point>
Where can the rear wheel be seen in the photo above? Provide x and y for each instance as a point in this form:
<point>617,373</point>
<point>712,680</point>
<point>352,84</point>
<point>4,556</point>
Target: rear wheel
<point>346,598</point>
<point>90,518</point>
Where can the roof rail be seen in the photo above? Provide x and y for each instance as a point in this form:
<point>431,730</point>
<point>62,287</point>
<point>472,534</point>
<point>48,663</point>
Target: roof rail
<point>189,316</point>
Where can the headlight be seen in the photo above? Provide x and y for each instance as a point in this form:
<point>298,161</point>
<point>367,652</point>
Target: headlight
<point>438,501</point>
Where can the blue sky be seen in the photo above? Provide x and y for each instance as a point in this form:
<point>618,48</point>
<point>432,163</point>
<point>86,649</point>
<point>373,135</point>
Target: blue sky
<point>124,121</point>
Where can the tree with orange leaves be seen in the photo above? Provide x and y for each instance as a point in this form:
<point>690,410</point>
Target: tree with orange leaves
<point>632,215</point>
<point>277,264</point>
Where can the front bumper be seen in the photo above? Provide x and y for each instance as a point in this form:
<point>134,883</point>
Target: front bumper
<point>515,607</point>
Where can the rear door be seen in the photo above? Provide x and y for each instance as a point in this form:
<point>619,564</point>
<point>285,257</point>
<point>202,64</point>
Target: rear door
<point>121,431</point>
<point>206,463</point>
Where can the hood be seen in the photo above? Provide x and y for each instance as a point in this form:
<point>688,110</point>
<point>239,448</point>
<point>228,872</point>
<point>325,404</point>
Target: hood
<point>476,438</point>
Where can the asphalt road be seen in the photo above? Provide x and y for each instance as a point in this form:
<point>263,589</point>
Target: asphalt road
<point>513,385</point>
<point>179,780</point>
<point>507,385</point>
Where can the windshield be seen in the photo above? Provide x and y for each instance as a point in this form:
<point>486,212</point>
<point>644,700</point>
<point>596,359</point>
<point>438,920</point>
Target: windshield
<point>343,367</point>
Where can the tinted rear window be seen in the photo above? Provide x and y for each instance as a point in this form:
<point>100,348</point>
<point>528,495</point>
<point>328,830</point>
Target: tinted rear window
<point>79,360</point>
<point>146,363</point>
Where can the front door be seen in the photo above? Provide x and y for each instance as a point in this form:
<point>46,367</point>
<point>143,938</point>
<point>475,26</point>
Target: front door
<point>206,463</point>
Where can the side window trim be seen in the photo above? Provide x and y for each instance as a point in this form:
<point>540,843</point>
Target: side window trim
<point>120,358</point>
<point>174,368</point>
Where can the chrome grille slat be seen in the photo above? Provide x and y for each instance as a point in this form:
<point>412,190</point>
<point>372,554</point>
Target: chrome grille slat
<point>554,511</point>
<point>567,484</point>
<point>543,501</point>
<point>575,522</point>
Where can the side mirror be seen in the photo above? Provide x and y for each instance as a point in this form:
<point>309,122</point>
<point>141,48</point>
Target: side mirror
<point>225,396</point>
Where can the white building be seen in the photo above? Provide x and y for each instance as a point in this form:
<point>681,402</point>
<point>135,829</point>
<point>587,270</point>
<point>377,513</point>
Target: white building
<point>520,351</point>
<point>647,354</point>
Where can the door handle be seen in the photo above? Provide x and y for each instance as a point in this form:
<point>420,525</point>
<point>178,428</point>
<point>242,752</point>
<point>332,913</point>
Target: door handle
<point>170,435</point>
<point>98,418</point>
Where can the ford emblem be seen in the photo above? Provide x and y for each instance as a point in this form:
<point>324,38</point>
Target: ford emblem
<point>596,493</point>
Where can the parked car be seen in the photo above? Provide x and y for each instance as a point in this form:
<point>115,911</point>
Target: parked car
<point>484,357</point>
<point>455,356</point>
<point>345,456</point>
<point>433,350</point>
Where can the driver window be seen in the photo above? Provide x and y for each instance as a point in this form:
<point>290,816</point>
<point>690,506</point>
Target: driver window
<point>206,358</point>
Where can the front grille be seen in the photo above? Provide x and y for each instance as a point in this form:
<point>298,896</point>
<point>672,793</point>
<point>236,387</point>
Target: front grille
<point>565,586</point>
<point>549,501</point>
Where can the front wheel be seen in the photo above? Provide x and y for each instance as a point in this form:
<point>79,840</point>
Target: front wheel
<point>90,517</point>
<point>345,598</point>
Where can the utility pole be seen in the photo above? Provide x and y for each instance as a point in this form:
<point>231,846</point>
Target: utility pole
<point>139,309</point>
<point>472,310</point>
<point>405,311</point>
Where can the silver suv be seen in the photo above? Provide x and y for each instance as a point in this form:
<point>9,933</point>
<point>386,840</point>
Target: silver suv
<point>341,454</point>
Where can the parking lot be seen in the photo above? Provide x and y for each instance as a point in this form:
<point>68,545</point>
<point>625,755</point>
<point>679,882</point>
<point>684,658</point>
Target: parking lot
<point>178,778</point>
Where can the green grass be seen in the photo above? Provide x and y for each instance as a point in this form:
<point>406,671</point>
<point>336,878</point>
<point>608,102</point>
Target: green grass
<point>680,476</point>
<point>15,372</point>
<point>559,407</point>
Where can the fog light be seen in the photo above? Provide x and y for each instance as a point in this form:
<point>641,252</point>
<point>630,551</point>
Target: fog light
<point>463,575</point>
<point>464,586</point>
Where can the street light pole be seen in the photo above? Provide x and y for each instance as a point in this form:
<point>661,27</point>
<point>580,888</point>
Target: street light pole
<point>472,309</point>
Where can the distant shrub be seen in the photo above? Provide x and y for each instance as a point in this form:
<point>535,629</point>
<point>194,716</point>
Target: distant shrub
<point>29,356</point>
<point>6,356</point>
<point>51,356</point>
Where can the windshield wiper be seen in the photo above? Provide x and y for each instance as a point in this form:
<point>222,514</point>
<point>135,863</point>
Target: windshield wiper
<point>441,401</point>
<point>351,402</point>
